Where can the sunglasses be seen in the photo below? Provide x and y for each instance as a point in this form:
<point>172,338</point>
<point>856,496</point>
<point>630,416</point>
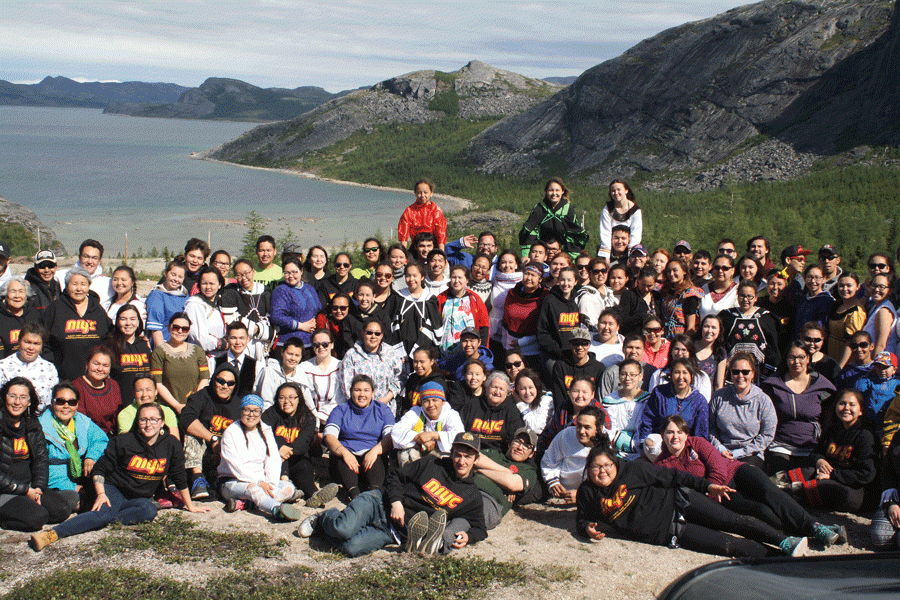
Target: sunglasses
<point>64,401</point>
<point>722,268</point>
<point>368,332</point>
<point>859,346</point>
<point>582,267</point>
<point>180,328</point>
<point>337,307</point>
<point>318,345</point>
<point>812,340</point>
<point>342,265</point>
<point>874,266</point>
<point>579,342</point>
<point>514,364</point>
<point>744,372</point>
<point>368,250</point>
<point>599,271</point>
<point>225,382</point>
<point>46,265</point>
<point>653,329</point>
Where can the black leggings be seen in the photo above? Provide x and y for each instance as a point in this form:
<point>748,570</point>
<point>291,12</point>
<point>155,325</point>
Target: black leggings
<point>24,514</point>
<point>302,474</point>
<point>354,483</point>
<point>706,525</point>
<point>825,493</point>
<point>758,497</point>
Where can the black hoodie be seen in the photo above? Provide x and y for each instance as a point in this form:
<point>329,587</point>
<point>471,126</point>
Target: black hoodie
<point>23,456</point>
<point>495,425</point>
<point>44,293</point>
<point>136,468</point>
<point>556,320</point>
<point>288,431</point>
<point>213,412</point>
<point>72,335</point>
<point>11,324</point>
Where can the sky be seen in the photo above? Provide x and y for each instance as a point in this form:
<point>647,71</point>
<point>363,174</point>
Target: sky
<point>335,45</point>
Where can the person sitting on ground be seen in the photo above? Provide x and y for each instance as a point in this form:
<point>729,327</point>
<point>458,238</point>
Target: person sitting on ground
<point>886,520</point>
<point>250,468</point>
<point>633,348</point>
<point>677,397</point>
<point>563,464</point>
<point>249,367</point>
<point>433,503</point>
<point>205,417</point>
<point>277,372</point>
<point>860,363</point>
<point>380,361</point>
<point>878,388</point>
<point>100,396</point>
<point>682,347</point>
<point>358,436</point>
<point>533,402</point>
<point>580,395</point>
<point>429,427</point>
<point>26,501</point>
<point>494,416</point>
<point>625,408</point>
<point>506,479</point>
<point>424,370</point>
<point>27,362</point>
<point>320,379</point>
<point>580,363</point>
<point>144,392</point>
<point>607,347</point>
<point>126,477</point>
<point>470,347</point>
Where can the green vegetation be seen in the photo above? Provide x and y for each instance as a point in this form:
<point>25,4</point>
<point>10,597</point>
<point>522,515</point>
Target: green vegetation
<point>176,539</point>
<point>21,239</point>
<point>430,579</point>
<point>256,226</point>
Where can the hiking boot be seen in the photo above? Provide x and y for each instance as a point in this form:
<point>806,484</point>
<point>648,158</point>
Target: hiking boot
<point>297,495</point>
<point>42,539</point>
<point>794,546</point>
<point>200,488</point>
<point>437,523</point>
<point>416,530</point>
<point>288,512</point>
<point>323,496</point>
<point>308,525</point>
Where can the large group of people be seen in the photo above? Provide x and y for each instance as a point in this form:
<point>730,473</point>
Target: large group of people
<point>677,397</point>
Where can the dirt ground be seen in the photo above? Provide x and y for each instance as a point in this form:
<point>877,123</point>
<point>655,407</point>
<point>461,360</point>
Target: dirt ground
<point>535,535</point>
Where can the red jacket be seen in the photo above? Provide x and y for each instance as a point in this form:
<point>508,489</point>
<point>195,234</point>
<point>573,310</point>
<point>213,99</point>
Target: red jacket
<point>418,218</point>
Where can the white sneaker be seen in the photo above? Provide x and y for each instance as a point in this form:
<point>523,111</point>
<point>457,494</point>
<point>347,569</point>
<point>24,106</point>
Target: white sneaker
<point>308,525</point>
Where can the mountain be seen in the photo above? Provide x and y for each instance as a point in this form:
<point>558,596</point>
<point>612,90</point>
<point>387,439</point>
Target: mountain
<point>568,80</point>
<point>219,98</point>
<point>62,91</point>
<point>474,92</point>
<point>761,85</point>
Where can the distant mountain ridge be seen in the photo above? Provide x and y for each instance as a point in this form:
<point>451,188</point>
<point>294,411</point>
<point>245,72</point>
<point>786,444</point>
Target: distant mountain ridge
<point>476,91</point>
<point>232,99</point>
<point>62,91</point>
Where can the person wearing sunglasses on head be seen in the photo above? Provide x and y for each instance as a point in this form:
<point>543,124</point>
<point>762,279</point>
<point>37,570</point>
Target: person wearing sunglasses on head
<point>381,362</point>
<point>204,419</point>
<point>74,444</point>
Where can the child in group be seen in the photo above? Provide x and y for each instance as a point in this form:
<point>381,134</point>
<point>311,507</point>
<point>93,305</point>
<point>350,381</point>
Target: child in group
<point>878,387</point>
<point>625,407</point>
<point>423,215</point>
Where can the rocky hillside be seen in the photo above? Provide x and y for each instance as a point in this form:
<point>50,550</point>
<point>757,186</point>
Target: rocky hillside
<point>219,98</point>
<point>476,91</point>
<point>804,77</point>
<point>62,91</point>
<point>24,239</point>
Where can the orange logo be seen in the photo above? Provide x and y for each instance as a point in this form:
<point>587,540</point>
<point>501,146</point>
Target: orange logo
<point>608,505</point>
<point>82,326</point>
<point>219,423</point>
<point>486,427</point>
<point>20,447</point>
<point>14,336</point>
<point>441,495</point>
<point>288,433</point>
<point>134,360</point>
<point>147,466</point>
<point>568,319</point>
<point>840,453</point>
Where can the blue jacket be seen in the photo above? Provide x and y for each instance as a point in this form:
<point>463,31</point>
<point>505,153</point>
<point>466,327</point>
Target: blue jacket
<point>455,364</point>
<point>91,444</point>
<point>292,306</point>
<point>160,308</point>
<point>663,402</point>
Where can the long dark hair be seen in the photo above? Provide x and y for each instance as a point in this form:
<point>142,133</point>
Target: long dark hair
<point>302,414</point>
<point>32,411</point>
<point>115,339</point>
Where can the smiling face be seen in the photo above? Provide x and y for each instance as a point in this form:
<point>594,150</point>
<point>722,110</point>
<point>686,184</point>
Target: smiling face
<point>61,407</point>
<point>879,288</point>
<point>365,298</point>
<point>602,471</point>
<point>814,279</point>
<point>776,287</point>
<point>659,261</point>
<point>250,416</point>
<point>224,383</point>
<point>292,274</point>
<point>620,241</point>
<point>384,277</point>
<point>321,345</point>
<point>553,193</point>
<point>742,374</point>
<point>342,264</point>
<point>581,394</point>
<point>848,409</point>
<point>526,391</point>
<point>709,331</point>
<point>372,336</point>
<point>633,349</point>
<point>458,282</point>
<point>722,271</point>
<point>17,399</point>
<point>144,390</point>
<point>586,429</point>
<point>237,341</point>
<point>475,377</point>
<point>194,260</point>
<point>514,364</point>
<point>98,368</point>
<point>847,288</point>
<point>746,298</point>
<point>758,249</point>
<point>481,268</point>
<point>178,331</point>
<point>128,321</point>
<point>618,193</point>
<point>566,283</point>
<point>89,258</point>
<point>340,308</point>
<point>122,284</point>
<point>46,271</point>
<point>653,331</point>
<point>265,253</point>
<point>617,279</point>
<point>860,350</point>
<point>16,296</point>
<point>77,288</point>
<point>497,392</point>
<point>423,193</point>
<point>607,329</point>
<point>748,269</point>
<point>797,361</point>
<point>288,400</point>
<point>318,259</point>
<point>630,378</point>
<point>150,421</point>
<point>681,379</point>
<point>700,267</point>
<point>291,357</point>
<point>244,274</point>
<point>432,407</point>
<point>413,278</point>
<point>361,394</point>
<point>30,346</point>
<point>174,278</point>
<point>422,363</point>
<point>507,263</point>
<point>675,273</point>
<point>530,281</point>
<point>674,438</point>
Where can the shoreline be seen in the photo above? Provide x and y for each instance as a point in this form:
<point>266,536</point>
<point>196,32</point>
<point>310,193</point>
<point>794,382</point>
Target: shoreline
<point>450,204</point>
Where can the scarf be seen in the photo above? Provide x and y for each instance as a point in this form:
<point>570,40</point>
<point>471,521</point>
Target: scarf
<point>70,440</point>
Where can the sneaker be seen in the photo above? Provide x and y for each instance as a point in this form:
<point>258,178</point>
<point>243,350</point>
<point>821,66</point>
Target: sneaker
<point>288,512</point>
<point>416,530</point>
<point>794,546</point>
<point>323,496</point>
<point>826,534</point>
<point>297,495</point>
<point>234,505</point>
<point>437,523</point>
<point>163,502</point>
<point>42,539</point>
<point>200,488</point>
<point>307,526</point>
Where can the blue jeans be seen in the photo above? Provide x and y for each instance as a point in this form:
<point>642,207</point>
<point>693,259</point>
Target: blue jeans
<point>126,512</point>
<point>359,529</point>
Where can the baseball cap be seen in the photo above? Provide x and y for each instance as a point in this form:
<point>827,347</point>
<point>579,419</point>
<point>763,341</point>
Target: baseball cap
<point>292,248</point>
<point>469,331</point>
<point>888,359</point>
<point>524,431</point>
<point>683,244</point>
<point>828,251</point>
<point>795,250</point>
<point>4,249</point>
<point>44,256</point>
<point>638,250</point>
<point>580,333</point>
<point>468,439</point>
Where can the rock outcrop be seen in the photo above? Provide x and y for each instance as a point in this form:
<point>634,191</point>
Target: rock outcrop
<point>817,75</point>
<point>13,212</point>
<point>476,91</point>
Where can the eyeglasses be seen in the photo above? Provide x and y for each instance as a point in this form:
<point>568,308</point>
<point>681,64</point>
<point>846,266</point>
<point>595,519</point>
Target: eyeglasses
<point>744,372</point>
<point>605,467</point>
<point>64,401</point>
<point>221,263</point>
<point>746,296</point>
<point>796,357</point>
<point>149,420</point>
<point>599,271</point>
<point>878,266</point>
<point>815,278</point>
<point>341,307</point>
<point>291,273</point>
<point>384,276</point>
<point>225,382</point>
<point>371,332</point>
<point>623,375</point>
<point>319,345</point>
<point>370,250</point>
<point>858,346</point>
<point>180,328</point>
<point>880,287</point>
<point>523,443</point>
<point>514,364</point>
<point>342,265</point>
<point>253,412</point>
<point>294,397</point>
<point>812,340</point>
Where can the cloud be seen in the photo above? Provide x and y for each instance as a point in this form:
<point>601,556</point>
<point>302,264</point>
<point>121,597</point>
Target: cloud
<point>337,45</point>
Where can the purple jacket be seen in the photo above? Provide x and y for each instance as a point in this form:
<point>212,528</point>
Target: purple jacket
<point>292,306</point>
<point>798,414</point>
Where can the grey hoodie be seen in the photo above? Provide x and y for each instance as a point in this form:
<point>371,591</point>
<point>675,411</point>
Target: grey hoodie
<point>743,426</point>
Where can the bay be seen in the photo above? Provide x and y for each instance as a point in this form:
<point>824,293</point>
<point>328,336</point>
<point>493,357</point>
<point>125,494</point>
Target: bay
<point>90,175</point>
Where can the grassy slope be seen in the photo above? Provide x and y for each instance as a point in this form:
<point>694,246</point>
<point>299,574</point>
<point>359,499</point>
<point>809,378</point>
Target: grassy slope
<point>851,207</point>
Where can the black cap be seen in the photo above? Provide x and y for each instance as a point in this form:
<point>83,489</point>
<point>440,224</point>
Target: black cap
<point>468,439</point>
<point>828,251</point>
